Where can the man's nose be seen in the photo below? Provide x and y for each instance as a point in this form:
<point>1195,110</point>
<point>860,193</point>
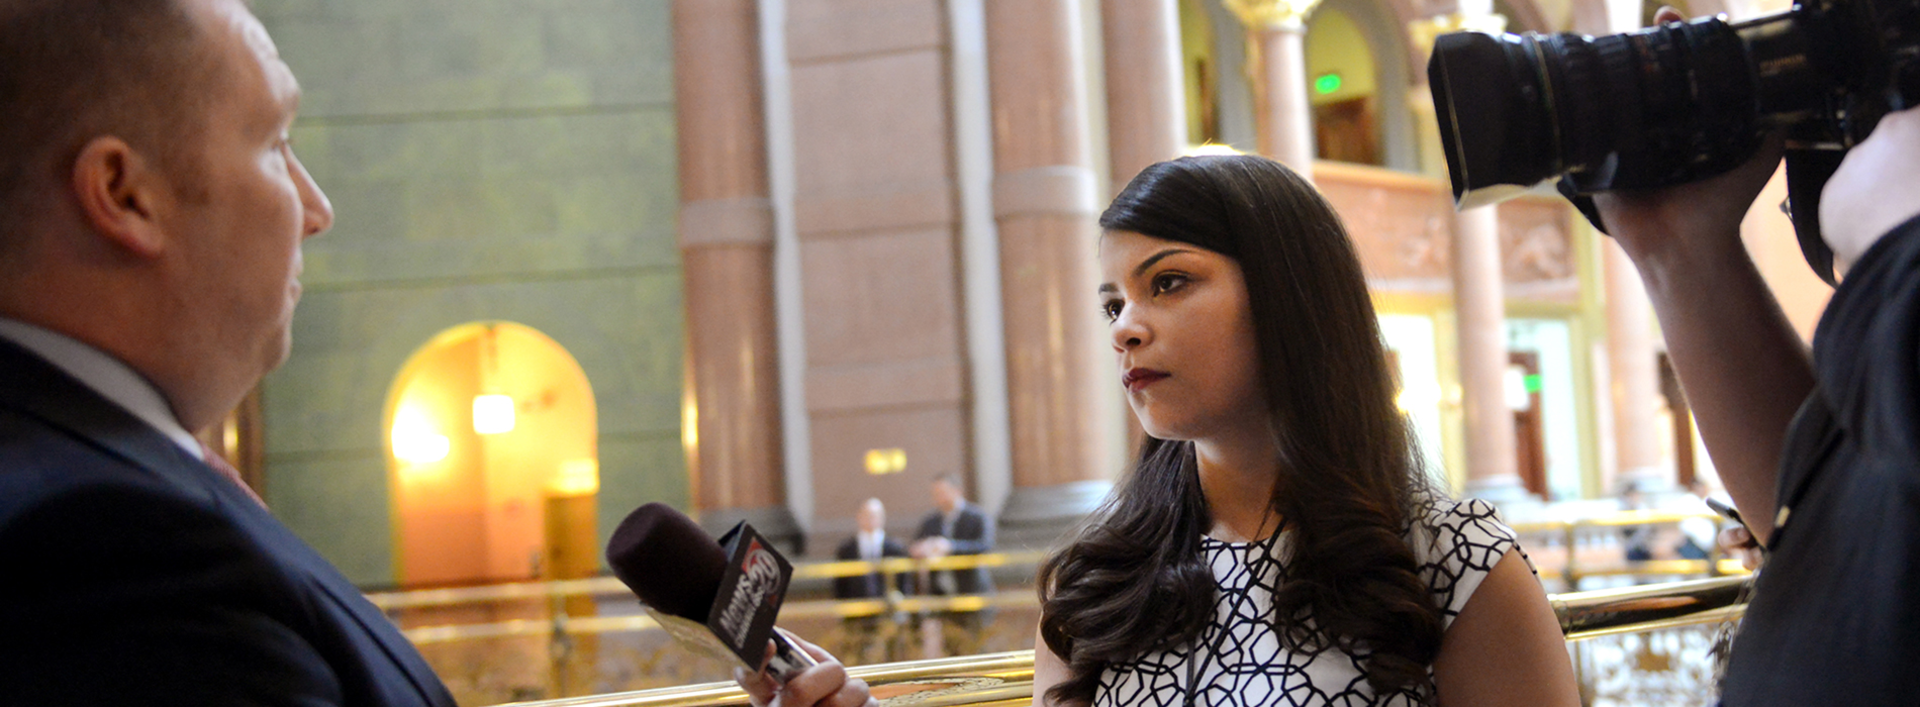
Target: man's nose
<point>316,210</point>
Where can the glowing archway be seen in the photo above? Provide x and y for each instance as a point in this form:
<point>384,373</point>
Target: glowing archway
<point>492,458</point>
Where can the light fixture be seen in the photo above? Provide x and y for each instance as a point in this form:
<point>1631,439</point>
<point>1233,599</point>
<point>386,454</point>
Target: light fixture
<point>577,477</point>
<point>492,412</point>
<point>886,461</point>
<point>414,439</point>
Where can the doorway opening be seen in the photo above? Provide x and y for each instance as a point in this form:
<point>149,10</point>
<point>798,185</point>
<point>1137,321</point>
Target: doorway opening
<point>492,458</point>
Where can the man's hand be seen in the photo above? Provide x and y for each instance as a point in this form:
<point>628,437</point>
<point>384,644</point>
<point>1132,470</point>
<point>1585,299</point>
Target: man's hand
<point>1653,221</point>
<point>1737,543</point>
<point>1876,188</point>
<point>932,548</point>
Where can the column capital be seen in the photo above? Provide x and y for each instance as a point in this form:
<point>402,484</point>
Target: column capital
<point>1424,31</point>
<point>1272,14</point>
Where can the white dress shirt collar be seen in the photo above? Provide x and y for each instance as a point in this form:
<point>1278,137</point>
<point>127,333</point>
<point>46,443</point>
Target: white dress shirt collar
<point>871,543</point>
<point>106,375</point>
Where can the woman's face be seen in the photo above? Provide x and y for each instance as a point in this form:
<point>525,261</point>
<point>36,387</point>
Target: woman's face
<point>1184,334</point>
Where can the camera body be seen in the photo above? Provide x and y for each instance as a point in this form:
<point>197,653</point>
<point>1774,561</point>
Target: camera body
<point>1674,103</point>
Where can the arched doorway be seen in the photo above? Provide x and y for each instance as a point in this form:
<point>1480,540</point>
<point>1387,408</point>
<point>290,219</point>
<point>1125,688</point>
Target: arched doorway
<point>493,460</point>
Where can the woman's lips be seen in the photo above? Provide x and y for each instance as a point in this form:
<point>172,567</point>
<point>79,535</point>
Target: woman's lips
<point>1137,378</point>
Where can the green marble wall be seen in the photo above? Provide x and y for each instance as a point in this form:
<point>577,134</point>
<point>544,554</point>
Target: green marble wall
<point>487,160</point>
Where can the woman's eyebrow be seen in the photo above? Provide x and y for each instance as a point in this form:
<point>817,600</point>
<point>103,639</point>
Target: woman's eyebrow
<point>1156,257</point>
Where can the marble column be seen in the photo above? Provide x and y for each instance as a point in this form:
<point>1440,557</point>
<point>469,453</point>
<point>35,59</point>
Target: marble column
<point>1045,203</point>
<point>1479,292</point>
<point>1633,375</point>
<point>1479,310</point>
<point>726,250</point>
<point>1146,100</point>
<point>1283,118</point>
<point>1146,94</point>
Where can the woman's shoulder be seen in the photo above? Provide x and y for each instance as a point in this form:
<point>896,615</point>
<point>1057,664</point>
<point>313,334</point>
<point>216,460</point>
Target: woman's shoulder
<point>1457,543</point>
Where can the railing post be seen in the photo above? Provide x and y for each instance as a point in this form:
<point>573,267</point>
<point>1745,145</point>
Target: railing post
<point>1572,577</point>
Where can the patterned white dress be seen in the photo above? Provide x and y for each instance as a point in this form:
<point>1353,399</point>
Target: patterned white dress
<point>1240,660</point>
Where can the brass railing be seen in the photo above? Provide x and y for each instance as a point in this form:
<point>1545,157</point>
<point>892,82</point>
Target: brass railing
<point>1571,533</point>
<point>1007,678</point>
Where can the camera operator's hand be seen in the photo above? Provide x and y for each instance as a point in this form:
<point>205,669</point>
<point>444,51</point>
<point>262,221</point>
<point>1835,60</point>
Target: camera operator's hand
<point>1876,188</point>
<point>1653,224</point>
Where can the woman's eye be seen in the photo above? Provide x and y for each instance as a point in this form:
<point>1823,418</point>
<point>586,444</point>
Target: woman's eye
<point>1111,309</point>
<point>1168,282</point>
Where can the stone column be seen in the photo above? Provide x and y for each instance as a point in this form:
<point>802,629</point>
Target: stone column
<point>726,250</point>
<point>1633,378</point>
<point>1146,96</point>
<point>1146,100</point>
<point>1479,294</point>
<point>1276,38</point>
<point>1045,203</point>
<point>1479,308</point>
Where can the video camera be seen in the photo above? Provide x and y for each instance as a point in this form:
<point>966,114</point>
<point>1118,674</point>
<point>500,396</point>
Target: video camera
<point>1674,103</point>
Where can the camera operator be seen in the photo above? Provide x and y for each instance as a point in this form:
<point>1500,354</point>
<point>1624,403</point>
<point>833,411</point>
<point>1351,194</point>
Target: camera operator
<point>1821,453</point>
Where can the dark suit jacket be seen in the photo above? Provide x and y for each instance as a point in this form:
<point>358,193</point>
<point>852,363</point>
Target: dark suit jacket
<point>136,575</point>
<point>972,535</point>
<point>869,585</point>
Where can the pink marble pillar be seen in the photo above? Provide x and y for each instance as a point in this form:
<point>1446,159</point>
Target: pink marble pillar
<point>726,247</point>
<point>1283,118</point>
<point>1479,309</point>
<point>1045,204</point>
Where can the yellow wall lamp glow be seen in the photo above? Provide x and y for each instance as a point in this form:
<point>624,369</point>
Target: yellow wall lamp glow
<point>886,461</point>
<point>415,440</point>
<point>492,414</point>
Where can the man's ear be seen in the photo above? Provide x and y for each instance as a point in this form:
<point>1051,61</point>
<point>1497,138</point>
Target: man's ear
<point>119,192</point>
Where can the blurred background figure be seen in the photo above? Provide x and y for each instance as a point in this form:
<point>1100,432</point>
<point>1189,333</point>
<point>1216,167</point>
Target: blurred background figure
<point>955,527</point>
<point>874,637</point>
<point>1636,539</point>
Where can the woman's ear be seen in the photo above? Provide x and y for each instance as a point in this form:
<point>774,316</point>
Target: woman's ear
<point>119,192</point>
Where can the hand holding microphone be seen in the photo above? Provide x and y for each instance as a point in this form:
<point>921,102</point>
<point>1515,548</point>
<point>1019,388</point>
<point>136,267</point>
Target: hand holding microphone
<point>722,604</point>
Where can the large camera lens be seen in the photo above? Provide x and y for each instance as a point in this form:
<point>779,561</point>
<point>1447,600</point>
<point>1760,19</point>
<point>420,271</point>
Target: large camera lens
<point>1659,106</point>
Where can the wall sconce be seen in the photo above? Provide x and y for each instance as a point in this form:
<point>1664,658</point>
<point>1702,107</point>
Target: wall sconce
<point>886,461</point>
<point>492,414</point>
<point>415,441</point>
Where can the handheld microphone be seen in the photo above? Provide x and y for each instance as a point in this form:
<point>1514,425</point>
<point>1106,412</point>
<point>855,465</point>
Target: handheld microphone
<point>717,601</point>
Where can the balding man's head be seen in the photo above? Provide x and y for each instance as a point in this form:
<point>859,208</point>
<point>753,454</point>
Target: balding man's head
<point>74,70</point>
<point>872,516</point>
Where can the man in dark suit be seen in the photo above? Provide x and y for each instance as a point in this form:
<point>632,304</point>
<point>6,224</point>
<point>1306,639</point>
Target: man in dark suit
<point>870,543</point>
<point>956,527</point>
<point>872,637</point>
<point>151,218</point>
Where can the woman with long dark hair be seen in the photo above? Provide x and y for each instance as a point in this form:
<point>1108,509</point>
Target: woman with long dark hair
<point>1276,542</point>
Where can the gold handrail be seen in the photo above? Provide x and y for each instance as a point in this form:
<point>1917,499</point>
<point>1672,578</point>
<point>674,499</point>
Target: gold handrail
<point>417,598</point>
<point>1007,678</point>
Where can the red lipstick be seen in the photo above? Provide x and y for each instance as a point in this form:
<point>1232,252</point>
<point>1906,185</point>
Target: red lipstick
<point>1137,378</point>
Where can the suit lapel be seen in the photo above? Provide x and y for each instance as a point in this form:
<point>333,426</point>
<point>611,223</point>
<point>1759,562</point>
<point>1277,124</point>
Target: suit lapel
<point>40,390</point>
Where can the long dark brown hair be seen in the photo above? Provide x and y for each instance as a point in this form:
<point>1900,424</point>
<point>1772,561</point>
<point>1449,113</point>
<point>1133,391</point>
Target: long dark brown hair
<point>1349,481</point>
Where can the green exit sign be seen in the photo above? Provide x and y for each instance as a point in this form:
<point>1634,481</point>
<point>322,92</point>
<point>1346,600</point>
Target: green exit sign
<point>1327,83</point>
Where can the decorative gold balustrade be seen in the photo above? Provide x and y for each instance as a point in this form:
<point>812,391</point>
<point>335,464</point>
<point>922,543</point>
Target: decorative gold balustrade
<point>535,647</point>
<point>1007,678</point>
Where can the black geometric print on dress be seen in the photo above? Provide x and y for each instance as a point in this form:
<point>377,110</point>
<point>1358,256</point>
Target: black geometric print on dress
<point>1240,661</point>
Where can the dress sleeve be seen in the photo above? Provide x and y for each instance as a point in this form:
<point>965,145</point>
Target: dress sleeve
<point>1457,545</point>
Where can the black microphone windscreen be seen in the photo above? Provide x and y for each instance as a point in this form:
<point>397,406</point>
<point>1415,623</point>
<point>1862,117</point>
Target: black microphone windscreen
<point>667,560</point>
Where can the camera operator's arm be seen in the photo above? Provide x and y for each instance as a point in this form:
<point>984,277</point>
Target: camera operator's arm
<point>1744,368</point>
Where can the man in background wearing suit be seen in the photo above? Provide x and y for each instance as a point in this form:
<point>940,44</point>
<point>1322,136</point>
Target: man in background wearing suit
<point>151,219</point>
<point>865,634</point>
<point>956,527</point>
